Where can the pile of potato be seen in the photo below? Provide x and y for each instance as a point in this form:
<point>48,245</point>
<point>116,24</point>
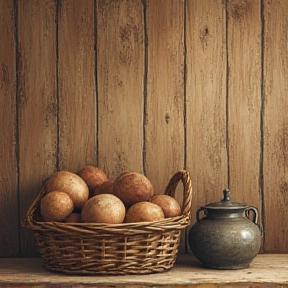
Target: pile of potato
<point>90,197</point>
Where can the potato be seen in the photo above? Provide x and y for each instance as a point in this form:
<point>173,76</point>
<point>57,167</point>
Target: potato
<point>70,183</point>
<point>132,187</point>
<point>169,205</point>
<point>144,211</point>
<point>73,218</point>
<point>103,208</point>
<point>93,176</point>
<point>56,206</point>
<point>105,188</point>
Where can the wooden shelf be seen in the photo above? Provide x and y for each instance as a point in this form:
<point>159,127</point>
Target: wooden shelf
<point>266,270</point>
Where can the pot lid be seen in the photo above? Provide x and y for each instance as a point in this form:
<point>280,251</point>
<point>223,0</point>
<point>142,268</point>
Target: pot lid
<point>226,203</point>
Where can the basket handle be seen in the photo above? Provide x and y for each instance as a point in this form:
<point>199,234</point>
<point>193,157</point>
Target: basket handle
<point>28,221</point>
<point>183,176</point>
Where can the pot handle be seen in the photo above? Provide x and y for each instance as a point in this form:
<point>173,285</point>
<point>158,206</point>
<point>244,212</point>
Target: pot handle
<point>255,214</point>
<point>198,212</point>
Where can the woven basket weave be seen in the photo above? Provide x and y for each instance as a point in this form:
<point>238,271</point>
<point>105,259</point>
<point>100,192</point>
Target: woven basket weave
<point>112,249</point>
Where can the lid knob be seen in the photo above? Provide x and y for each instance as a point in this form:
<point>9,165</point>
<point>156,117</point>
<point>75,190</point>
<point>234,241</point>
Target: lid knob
<point>226,194</point>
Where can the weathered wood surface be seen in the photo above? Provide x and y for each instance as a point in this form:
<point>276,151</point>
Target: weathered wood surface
<point>8,121</point>
<point>206,101</point>
<point>275,126</point>
<point>36,104</point>
<point>164,118</point>
<point>76,94</point>
<point>265,271</point>
<point>125,86</point>
<point>244,98</point>
<point>244,101</point>
<point>120,85</point>
<point>165,97</point>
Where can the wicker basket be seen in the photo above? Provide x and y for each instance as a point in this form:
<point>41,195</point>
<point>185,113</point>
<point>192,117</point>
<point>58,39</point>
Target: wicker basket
<point>112,249</point>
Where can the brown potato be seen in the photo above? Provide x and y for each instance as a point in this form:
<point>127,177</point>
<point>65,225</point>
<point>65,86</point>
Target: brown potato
<point>70,183</point>
<point>132,187</point>
<point>169,205</point>
<point>73,218</point>
<point>105,188</point>
<point>144,211</point>
<point>103,208</point>
<point>56,206</point>
<point>93,176</point>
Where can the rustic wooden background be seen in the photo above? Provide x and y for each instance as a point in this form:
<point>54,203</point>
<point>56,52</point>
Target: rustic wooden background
<point>153,86</point>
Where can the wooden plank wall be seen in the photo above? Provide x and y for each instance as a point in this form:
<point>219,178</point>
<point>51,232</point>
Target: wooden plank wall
<point>153,86</point>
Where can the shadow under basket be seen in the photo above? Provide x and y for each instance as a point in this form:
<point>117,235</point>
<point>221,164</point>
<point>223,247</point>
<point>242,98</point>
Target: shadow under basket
<point>112,249</point>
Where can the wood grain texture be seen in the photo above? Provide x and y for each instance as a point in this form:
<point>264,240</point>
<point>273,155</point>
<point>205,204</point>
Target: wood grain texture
<point>244,101</point>
<point>164,125</point>
<point>76,85</point>
<point>164,119</point>
<point>126,86</point>
<point>8,121</point>
<point>206,100</point>
<point>120,74</point>
<point>275,158</point>
<point>37,102</point>
<point>268,270</point>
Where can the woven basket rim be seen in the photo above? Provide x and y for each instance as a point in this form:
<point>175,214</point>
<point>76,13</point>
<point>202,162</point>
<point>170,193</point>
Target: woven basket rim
<point>172,223</point>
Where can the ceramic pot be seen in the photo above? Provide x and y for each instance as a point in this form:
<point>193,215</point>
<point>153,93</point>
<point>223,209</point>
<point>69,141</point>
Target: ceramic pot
<point>225,237</point>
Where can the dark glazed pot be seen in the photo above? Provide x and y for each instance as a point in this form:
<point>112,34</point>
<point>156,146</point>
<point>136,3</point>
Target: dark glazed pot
<point>225,238</point>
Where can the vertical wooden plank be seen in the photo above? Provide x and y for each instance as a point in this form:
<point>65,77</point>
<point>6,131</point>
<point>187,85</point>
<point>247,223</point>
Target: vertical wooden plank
<point>206,100</point>
<point>164,129</point>
<point>164,124</point>
<point>244,99</point>
<point>77,96</point>
<point>120,68</point>
<point>275,159</point>
<point>9,235</point>
<point>37,100</point>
